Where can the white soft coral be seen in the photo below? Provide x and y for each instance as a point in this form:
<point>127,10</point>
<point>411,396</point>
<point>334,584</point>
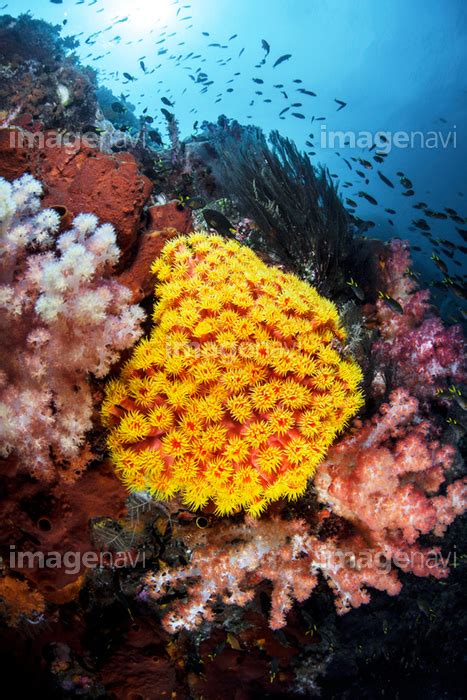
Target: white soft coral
<point>62,318</point>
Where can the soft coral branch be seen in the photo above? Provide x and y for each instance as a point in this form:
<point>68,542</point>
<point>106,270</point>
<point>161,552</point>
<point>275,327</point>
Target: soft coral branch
<point>61,319</point>
<point>422,354</point>
<point>237,558</point>
<point>383,478</point>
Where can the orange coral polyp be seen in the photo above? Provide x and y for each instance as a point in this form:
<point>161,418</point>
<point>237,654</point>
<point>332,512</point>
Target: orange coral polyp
<point>239,390</point>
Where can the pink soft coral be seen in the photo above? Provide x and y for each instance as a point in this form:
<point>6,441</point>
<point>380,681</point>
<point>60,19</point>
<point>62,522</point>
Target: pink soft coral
<point>379,483</point>
<point>422,354</point>
<point>382,479</point>
<point>231,562</point>
<point>61,319</point>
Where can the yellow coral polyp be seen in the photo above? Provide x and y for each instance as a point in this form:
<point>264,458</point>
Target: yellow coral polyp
<point>240,407</point>
<point>134,426</point>
<point>175,443</point>
<point>257,433</point>
<point>269,459</point>
<point>281,421</point>
<point>240,388</point>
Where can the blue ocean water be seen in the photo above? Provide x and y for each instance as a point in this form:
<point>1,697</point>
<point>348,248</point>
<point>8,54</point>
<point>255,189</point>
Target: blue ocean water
<point>398,66</point>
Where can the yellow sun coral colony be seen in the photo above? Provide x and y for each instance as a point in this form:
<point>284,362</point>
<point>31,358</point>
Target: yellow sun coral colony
<point>240,388</point>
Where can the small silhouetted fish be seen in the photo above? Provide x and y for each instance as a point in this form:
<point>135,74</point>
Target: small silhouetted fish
<point>417,248</point>
<point>258,80</point>
<point>306,92</point>
<point>391,303</point>
<point>421,224</point>
<point>167,102</point>
<point>435,214</point>
<point>454,392</point>
<point>351,202</point>
<point>286,109</point>
<point>390,211</point>
<point>378,159</point>
<point>462,232</point>
<point>298,115</point>
<point>440,263</point>
<point>408,193</point>
<point>347,163</point>
<point>420,205</point>
<point>218,222</point>
<point>358,291</point>
<point>385,179</point>
<point>448,244</point>
<point>281,59</point>
<point>129,77</point>
<point>365,163</point>
<point>368,197</point>
<point>341,103</point>
<point>118,107</point>
<point>438,285</point>
<point>265,46</point>
<point>405,182</point>
<point>143,67</point>
<point>459,291</point>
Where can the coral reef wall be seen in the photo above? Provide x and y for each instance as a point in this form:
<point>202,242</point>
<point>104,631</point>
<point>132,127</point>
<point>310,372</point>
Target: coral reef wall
<point>215,480</point>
